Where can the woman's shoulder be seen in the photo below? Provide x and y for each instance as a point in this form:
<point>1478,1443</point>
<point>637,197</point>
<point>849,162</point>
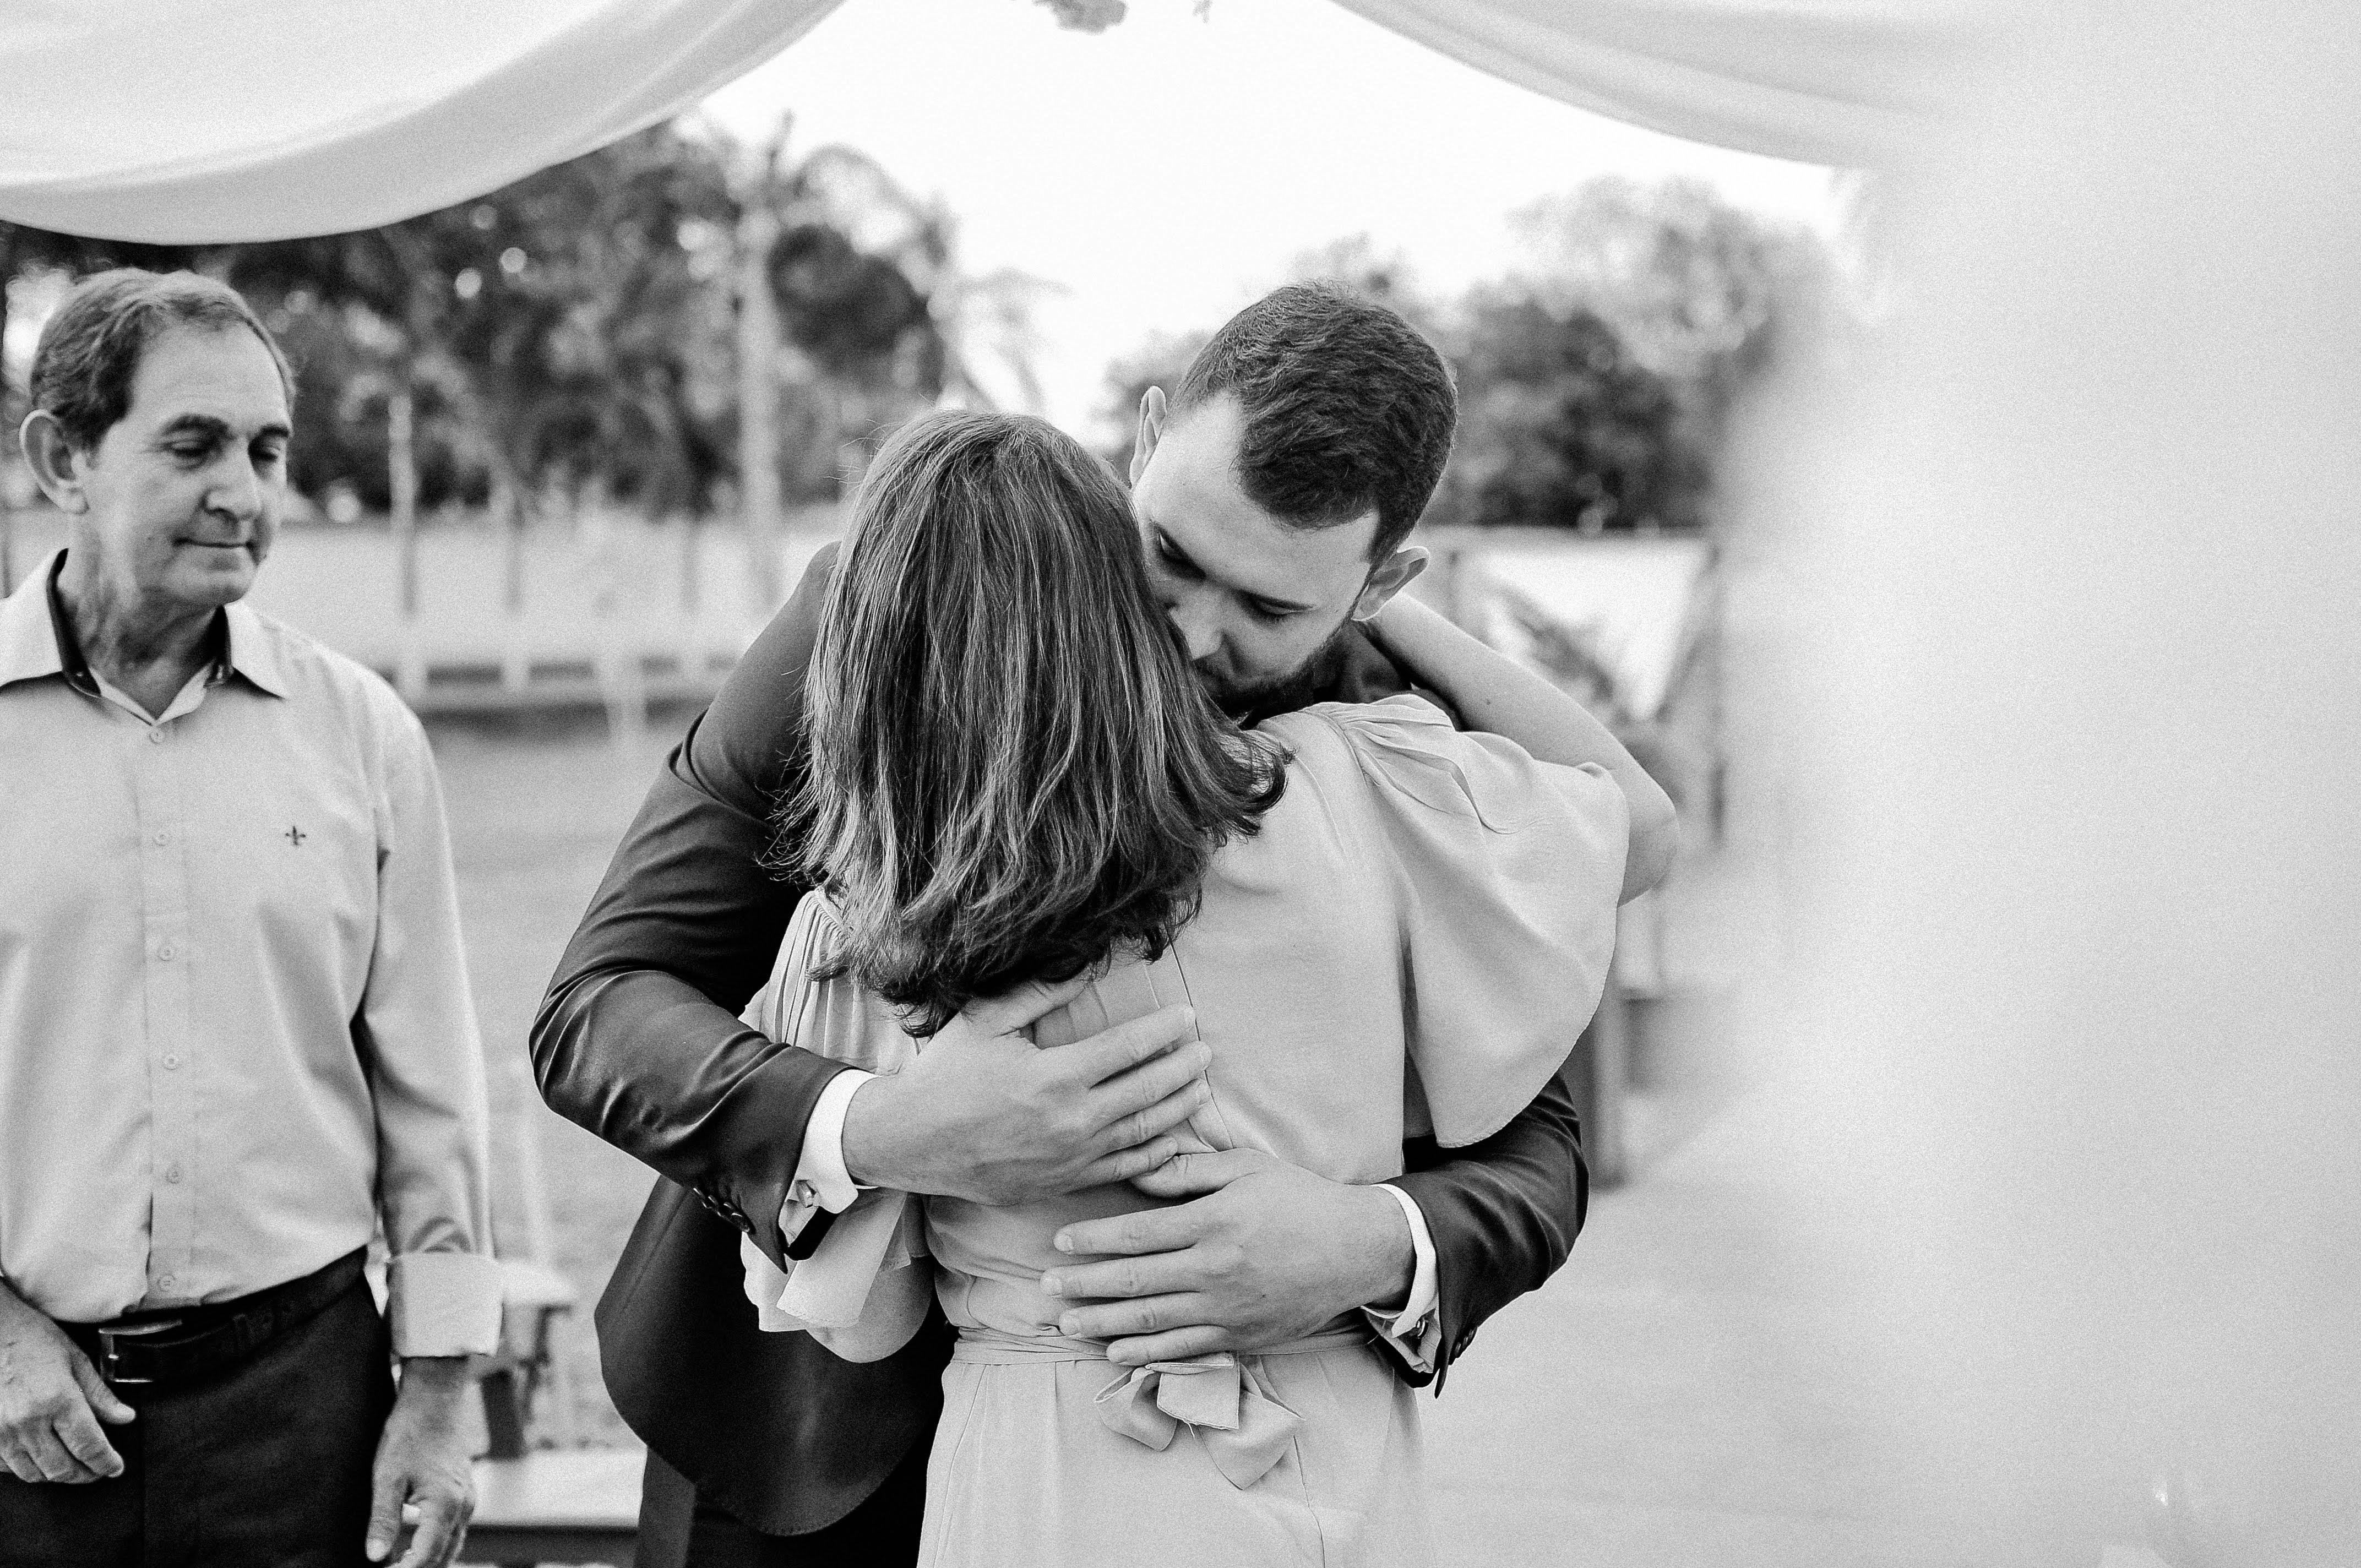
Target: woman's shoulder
<point>1412,757</point>
<point>830,1014</point>
<point>1328,733</point>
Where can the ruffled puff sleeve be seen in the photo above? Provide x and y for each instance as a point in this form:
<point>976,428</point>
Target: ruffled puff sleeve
<point>1507,870</point>
<point>860,1293</point>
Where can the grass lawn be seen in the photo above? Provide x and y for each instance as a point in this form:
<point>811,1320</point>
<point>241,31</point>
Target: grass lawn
<point>536,809</point>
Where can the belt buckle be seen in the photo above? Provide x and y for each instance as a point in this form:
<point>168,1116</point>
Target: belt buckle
<point>110,1355</point>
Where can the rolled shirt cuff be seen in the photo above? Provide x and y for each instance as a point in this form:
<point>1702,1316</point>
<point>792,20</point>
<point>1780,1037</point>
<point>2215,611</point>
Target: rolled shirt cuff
<point>821,1180</point>
<point>1413,1329</point>
<point>444,1303</point>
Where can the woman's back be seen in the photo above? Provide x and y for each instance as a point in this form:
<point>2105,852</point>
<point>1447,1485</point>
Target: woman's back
<point>1361,970</point>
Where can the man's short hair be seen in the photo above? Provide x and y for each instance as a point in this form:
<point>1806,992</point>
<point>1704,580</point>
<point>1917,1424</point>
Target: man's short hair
<point>1348,407</point>
<point>89,349</point>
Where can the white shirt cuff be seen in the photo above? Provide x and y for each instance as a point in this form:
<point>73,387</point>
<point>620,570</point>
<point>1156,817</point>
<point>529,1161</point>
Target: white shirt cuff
<point>821,1180</point>
<point>1414,1329</point>
<point>443,1303</point>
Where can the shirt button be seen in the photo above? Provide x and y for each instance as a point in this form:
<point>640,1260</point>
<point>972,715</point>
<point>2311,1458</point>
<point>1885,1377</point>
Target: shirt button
<point>165,952</point>
<point>169,1281</point>
<point>171,1061</point>
<point>172,1173</point>
<point>156,735</point>
<point>163,838</point>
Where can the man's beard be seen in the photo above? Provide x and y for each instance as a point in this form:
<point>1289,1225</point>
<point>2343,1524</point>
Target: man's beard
<point>1250,702</point>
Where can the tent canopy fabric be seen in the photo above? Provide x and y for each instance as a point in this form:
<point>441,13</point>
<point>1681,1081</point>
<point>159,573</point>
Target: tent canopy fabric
<point>1849,82</point>
<point>205,121</point>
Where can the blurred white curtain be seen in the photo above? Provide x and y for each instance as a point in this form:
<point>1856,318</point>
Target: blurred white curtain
<point>2066,591</point>
<point>1851,82</point>
<point>193,120</point>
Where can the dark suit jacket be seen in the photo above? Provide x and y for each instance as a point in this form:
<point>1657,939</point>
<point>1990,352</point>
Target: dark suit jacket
<point>639,1041</point>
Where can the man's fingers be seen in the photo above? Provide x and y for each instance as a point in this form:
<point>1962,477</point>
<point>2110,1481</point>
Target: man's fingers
<point>1174,1345</point>
<point>104,1404</point>
<point>82,1438</point>
<point>21,1466</point>
<point>1125,1164</point>
<point>1127,1044</point>
<point>1118,1106</point>
<point>1156,1314</point>
<point>1011,1010</point>
<point>1192,1175</point>
<point>387,1494</point>
<point>1150,1231</point>
<point>440,1523</point>
<point>1129,1131</point>
<point>51,1460</point>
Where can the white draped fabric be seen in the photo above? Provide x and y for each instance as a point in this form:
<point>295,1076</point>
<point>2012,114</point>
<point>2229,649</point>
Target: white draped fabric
<point>1841,81</point>
<point>193,121</point>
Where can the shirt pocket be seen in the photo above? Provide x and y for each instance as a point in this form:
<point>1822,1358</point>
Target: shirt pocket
<point>290,858</point>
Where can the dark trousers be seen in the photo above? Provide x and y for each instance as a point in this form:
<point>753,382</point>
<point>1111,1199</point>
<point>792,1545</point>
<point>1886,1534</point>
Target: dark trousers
<point>263,1464</point>
<point>680,1529</point>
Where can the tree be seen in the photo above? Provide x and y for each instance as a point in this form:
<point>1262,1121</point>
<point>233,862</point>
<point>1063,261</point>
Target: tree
<point>580,333</point>
<point>1159,361</point>
<point>1697,290</point>
<point>1388,277</point>
<point>1596,382</point>
<point>1559,424</point>
<point>25,251</point>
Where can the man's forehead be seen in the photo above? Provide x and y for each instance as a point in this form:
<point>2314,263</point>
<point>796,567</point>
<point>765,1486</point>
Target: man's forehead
<point>222,375</point>
<point>1190,490</point>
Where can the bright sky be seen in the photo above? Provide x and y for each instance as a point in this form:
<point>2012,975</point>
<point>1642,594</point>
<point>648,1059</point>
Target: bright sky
<point>1168,169</point>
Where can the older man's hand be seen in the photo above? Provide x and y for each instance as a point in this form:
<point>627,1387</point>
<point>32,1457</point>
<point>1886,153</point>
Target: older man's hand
<point>422,1459</point>
<point>51,1402</point>
<point>1267,1253</point>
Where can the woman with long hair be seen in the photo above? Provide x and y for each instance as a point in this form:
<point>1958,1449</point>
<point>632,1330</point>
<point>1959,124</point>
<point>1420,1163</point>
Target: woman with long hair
<point>1383,926</point>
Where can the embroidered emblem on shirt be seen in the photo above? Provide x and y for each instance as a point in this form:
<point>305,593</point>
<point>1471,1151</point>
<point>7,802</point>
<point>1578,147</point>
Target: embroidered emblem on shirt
<point>296,836</point>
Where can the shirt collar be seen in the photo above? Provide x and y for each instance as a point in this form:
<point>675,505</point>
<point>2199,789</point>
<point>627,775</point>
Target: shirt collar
<point>37,638</point>
<point>28,640</point>
<point>253,651</point>
<point>71,662</point>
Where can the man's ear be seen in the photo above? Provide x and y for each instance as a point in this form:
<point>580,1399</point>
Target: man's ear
<point>1392,576</point>
<point>56,466</point>
<point>1151,430</point>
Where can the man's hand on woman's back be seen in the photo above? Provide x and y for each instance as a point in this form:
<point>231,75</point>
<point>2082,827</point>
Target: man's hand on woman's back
<point>1267,1253</point>
<point>984,1114</point>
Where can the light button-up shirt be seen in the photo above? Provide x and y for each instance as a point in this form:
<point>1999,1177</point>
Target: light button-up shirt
<point>236,1028</point>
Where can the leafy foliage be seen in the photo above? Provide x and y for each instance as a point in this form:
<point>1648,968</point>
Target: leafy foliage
<point>1561,425</point>
<point>1594,381</point>
<point>574,333</point>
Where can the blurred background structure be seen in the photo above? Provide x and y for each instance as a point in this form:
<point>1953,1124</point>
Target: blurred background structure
<point>1968,547</point>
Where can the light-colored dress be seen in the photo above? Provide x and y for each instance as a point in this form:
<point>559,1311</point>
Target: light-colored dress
<point>1411,943</point>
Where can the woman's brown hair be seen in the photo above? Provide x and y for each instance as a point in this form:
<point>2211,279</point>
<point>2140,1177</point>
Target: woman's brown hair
<point>1014,770</point>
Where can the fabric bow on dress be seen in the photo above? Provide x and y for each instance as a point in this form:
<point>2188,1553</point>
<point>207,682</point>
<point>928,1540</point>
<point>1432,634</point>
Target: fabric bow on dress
<point>1244,1430</point>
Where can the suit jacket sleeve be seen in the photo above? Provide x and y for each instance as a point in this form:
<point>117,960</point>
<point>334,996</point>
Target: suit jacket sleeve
<point>638,1039</point>
<point>1503,1213</point>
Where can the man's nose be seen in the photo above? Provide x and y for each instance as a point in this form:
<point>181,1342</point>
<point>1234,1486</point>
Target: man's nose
<point>1197,624</point>
<point>238,491</point>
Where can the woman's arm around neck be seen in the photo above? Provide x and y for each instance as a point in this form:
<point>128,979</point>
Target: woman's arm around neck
<point>1494,692</point>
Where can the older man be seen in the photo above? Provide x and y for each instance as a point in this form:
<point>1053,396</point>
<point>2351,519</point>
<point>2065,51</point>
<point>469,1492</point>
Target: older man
<point>235,1025</point>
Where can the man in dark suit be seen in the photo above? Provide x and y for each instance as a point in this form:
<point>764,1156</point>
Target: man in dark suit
<point>1273,499</point>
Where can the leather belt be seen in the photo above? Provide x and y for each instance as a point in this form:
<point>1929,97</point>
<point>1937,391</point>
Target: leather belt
<point>176,1344</point>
